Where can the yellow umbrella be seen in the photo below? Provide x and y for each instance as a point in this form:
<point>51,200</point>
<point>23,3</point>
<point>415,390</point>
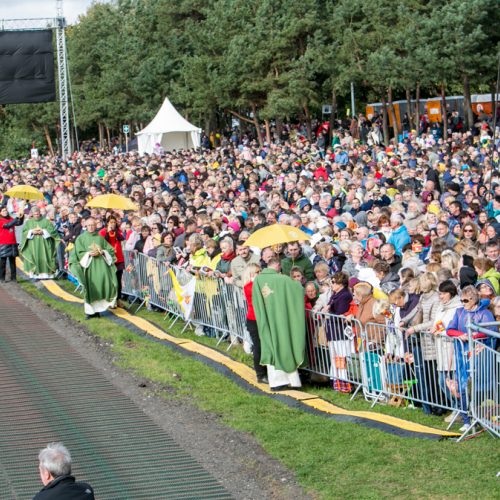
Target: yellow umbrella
<point>274,235</point>
<point>24,192</point>
<point>114,201</point>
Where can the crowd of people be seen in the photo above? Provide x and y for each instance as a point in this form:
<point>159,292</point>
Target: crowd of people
<point>405,234</point>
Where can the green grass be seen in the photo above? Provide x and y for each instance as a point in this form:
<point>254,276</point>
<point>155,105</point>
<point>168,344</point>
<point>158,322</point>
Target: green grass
<point>324,391</point>
<point>330,459</point>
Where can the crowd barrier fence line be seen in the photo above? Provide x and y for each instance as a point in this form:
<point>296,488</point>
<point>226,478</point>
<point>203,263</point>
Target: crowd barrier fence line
<point>426,369</point>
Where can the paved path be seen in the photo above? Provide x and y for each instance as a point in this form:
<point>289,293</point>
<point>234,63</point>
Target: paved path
<point>49,392</point>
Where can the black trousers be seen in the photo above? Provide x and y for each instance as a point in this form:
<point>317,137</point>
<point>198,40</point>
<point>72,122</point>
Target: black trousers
<point>3,267</point>
<point>119,274</point>
<point>261,371</point>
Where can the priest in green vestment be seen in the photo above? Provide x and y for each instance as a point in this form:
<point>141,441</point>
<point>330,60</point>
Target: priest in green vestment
<point>278,302</point>
<point>39,246</point>
<point>94,258</point>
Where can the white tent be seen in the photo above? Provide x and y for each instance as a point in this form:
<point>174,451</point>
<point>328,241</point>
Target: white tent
<point>169,129</point>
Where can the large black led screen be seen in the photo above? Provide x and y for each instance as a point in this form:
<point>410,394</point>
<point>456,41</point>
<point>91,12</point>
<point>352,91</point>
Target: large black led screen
<point>26,67</point>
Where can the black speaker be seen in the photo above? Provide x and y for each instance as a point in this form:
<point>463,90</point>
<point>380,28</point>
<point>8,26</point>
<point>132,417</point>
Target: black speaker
<point>26,67</point>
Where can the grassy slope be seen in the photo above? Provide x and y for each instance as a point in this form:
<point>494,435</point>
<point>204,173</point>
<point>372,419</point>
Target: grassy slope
<point>330,459</point>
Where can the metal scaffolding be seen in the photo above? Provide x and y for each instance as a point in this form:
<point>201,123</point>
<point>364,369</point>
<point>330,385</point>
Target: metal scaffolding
<point>58,24</point>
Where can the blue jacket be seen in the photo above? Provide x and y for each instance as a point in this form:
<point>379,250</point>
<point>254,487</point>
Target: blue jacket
<point>462,317</point>
<point>459,322</point>
<point>399,238</point>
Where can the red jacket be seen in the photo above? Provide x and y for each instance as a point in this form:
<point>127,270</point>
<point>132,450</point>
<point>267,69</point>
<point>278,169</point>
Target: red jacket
<point>7,235</point>
<point>247,289</point>
<point>115,241</point>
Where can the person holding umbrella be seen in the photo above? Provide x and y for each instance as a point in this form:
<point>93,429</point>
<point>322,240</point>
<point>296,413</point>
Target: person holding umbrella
<point>8,243</point>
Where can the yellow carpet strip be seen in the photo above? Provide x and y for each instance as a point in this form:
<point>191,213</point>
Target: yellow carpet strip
<point>248,374</point>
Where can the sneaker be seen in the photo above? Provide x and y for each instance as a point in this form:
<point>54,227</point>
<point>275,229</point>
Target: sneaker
<point>451,416</point>
<point>247,347</point>
<point>263,380</point>
<point>465,427</point>
<point>198,331</point>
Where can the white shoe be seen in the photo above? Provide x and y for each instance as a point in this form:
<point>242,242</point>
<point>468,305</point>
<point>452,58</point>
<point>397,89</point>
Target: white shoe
<point>465,427</point>
<point>199,331</point>
<point>451,416</point>
<point>247,347</point>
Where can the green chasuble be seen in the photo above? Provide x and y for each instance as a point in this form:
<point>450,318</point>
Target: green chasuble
<point>279,308</point>
<point>96,274</point>
<point>38,251</point>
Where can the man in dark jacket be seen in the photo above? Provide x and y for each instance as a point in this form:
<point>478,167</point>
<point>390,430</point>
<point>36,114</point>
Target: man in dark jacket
<point>388,254</point>
<point>55,473</point>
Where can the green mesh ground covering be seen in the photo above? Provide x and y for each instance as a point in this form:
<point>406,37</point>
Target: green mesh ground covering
<point>48,392</point>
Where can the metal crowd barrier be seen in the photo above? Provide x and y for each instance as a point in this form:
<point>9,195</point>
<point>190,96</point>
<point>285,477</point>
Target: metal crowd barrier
<point>420,368</point>
<point>484,369</point>
<point>219,309</point>
<point>331,350</point>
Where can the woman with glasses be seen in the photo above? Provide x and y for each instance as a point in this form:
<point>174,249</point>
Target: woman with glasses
<point>469,232</point>
<point>173,224</point>
<point>472,311</point>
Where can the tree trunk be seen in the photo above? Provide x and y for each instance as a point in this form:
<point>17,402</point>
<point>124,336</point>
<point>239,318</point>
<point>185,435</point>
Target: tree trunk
<point>108,135</point>
<point>392,111</point>
<point>257,126</point>
<point>48,139</point>
<point>268,131</point>
<point>408,107</point>
<point>469,115</point>
<point>385,125</point>
<point>101,135</point>
<point>279,127</point>
<point>333,115</point>
<point>444,117</point>
<point>307,115</point>
<point>417,107</point>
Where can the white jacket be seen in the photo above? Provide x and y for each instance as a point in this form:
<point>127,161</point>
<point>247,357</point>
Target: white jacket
<point>444,344</point>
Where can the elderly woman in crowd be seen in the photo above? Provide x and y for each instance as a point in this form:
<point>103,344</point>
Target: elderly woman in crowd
<point>325,252</point>
<point>355,262</point>
<point>366,315</point>
<point>472,311</point>
<point>227,254</point>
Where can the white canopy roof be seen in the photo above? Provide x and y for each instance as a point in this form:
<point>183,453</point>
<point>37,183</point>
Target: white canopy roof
<point>168,130</point>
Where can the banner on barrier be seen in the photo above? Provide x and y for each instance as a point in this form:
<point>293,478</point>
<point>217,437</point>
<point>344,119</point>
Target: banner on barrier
<point>184,294</point>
